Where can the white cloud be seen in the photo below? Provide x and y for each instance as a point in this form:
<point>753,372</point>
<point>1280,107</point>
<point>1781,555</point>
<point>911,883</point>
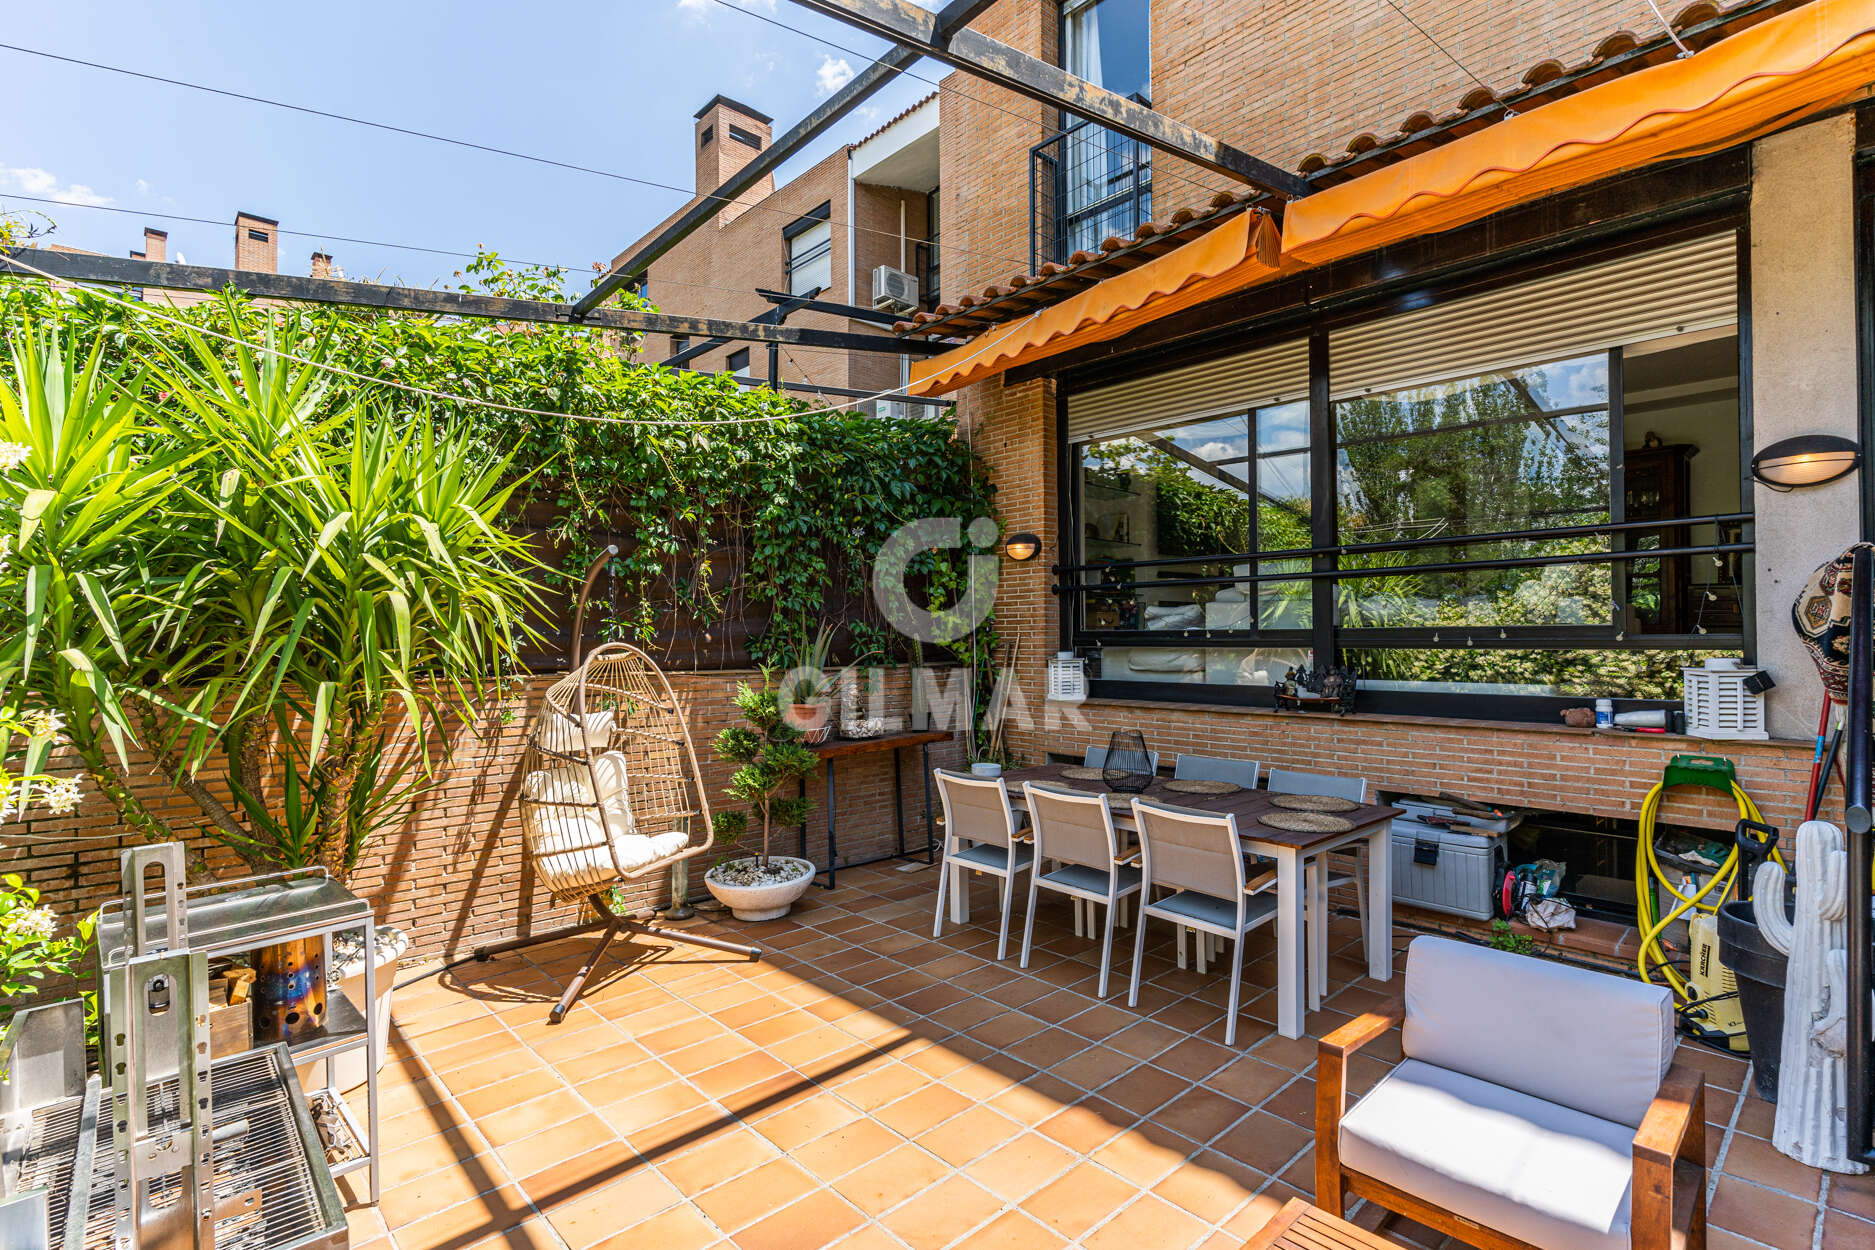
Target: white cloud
<point>832,75</point>
<point>46,185</point>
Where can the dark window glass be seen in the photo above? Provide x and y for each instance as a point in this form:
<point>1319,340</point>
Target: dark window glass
<point>743,136</point>
<point>738,361</point>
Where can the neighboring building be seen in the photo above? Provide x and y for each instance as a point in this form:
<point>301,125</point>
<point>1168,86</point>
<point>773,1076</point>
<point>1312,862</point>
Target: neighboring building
<point>1540,363</point>
<point>861,207</point>
<point>256,249</point>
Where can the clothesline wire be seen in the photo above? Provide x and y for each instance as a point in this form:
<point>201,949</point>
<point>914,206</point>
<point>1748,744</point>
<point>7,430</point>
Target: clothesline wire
<point>143,309</point>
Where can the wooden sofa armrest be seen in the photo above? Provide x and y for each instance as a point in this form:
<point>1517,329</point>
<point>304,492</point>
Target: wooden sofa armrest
<point>1672,1138</point>
<point>1331,1098</point>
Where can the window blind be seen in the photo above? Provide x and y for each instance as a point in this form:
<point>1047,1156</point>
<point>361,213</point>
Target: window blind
<point>1269,375</point>
<point>1679,289</point>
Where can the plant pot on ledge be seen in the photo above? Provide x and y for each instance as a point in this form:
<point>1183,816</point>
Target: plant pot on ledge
<point>752,892</point>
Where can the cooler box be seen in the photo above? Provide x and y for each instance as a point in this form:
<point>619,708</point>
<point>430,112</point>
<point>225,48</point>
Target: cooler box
<point>1445,870</point>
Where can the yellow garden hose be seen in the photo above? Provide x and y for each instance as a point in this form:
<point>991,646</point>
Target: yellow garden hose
<point>1714,773</point>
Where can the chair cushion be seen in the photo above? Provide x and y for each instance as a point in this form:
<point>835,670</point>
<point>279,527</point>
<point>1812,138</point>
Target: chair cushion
<point>1589,1040</point>
<point>1545,1174</point>
<point>1188,906</point>
<point>566,735</point>
<point>1084,880</point>
<point>572,854</point>
<point>989,855</point>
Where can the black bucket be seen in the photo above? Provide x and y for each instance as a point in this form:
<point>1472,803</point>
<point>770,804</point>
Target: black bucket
<point>1759,969</point>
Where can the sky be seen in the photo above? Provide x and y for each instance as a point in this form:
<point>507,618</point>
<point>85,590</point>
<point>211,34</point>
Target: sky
<point>609,84</point>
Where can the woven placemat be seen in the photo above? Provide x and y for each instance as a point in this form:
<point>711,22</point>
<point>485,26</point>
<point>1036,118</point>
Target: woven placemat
<point>1194,785</point>
<point>1314,803</point>
<point>1078,773</point>
<point>1305,822</point>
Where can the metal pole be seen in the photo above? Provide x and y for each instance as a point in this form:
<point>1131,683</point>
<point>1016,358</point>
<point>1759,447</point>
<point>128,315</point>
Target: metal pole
<point>578,641</point>
<point>1858,818</point>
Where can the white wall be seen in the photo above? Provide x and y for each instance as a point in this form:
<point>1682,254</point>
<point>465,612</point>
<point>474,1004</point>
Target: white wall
<point>1803,362</point>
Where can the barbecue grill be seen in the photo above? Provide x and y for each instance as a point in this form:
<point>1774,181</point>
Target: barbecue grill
<point>137,1165</point>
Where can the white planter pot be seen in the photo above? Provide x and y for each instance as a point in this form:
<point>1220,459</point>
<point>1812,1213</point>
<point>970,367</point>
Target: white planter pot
<point>761,902</point>
<point>348,1069</point>
<point>986,770</point>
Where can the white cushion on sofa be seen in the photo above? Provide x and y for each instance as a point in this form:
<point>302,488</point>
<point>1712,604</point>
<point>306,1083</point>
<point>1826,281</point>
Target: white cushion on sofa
<point>1589,1040</point>
<point>581,828</point>
<point>1551,1176</point>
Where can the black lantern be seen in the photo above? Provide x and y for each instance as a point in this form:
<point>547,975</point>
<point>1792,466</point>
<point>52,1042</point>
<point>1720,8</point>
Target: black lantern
<point>1127,768</point>
<point>1022,546</point>
<point>1807,460</point>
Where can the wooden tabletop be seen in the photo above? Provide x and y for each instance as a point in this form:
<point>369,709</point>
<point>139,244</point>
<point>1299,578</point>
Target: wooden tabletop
<point>839,748</point>
<point>1300,1225</point>
<point>1245,805</point>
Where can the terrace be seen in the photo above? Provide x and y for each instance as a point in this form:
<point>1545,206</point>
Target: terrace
<point>866,1086</point>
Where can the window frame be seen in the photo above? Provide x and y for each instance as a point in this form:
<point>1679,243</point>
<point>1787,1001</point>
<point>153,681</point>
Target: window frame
<point>822,216</point>
<point>1326,636</point>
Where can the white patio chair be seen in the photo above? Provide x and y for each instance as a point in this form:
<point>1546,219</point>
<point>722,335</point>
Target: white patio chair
<point>1196,855</point>
<point>980,835</point>
<point>1216,768</point>
<point>1352,872</point>
<point>609,791</point>
<point>1074,830</point>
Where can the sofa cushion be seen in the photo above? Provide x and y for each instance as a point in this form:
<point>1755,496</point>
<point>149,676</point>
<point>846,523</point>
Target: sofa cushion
<point>1589,1040</point>
<point>1545,1174</point>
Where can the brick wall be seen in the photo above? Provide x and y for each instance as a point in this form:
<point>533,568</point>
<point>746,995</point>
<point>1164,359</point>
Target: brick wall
<point>454,873</point>
<point>256,243</point>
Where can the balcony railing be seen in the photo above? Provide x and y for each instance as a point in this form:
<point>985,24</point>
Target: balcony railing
<point>1085,184</point>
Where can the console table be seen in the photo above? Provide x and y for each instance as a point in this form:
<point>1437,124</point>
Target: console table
<point>837,749</point>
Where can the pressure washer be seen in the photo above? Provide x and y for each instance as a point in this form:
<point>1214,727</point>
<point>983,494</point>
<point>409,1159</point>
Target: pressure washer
<point>1707,995</point>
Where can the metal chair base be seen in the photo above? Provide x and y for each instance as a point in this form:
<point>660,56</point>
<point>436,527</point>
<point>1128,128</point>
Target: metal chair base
<point>612,925</point>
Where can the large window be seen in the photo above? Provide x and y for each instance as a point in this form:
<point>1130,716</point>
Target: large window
<point>809,241</point>
<point>1488,533</point>
<point>1103,180</point>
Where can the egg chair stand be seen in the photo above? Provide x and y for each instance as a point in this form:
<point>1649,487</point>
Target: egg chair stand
<point>610,791</point>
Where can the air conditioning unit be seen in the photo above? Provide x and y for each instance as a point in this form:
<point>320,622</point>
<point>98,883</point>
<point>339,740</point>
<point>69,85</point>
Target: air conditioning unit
<point>890,409</point>
<point>894,290</point>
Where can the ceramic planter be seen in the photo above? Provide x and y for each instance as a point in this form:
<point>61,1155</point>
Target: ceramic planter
<point>768,901</point>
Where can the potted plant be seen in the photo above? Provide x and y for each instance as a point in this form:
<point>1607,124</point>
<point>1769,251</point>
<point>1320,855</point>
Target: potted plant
<point>769,758</point>
<point>805,686</point>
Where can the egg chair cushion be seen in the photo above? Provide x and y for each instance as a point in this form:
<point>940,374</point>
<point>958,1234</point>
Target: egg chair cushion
<point>581,829</point>
<point>561,734</point>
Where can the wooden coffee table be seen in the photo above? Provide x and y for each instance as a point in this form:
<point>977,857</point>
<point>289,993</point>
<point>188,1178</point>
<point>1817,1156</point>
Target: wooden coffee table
<point>1301,1225</point>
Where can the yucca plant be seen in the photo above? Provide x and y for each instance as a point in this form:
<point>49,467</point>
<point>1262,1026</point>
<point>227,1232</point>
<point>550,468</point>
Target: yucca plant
<point>101,561</point>
<point>359,563</point>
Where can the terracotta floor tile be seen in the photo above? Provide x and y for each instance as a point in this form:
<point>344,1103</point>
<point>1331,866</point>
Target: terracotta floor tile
<point>1776,1219</point>
<point>1210,1186</point>
<point>1846,1232</point>
<point>815,1220</point>
<point>512,1092</point>
<point>723,1080</point>
<point>1087,1125</point>
<point>1144,1090</point>
<point>1019,1167</point>
<point>479,1071</point>
<point>1200,1114</point>
<point>1145,1155</point>
<point>680,1228</point>
<point>720,1158</point>
<point>1076,1202</point>
<point>598,1215</point>
<point>1264,1142</point>
<point>562,1141</point>
<point>942,1213</point>
<point>925,1109</point>
<point>754,1195</point>
<point>1759,1161</point>
<point>806,1120</point>
<point>513,1123</point>
<point>1094,1067</point>
<point>1853,1194</point>
<point>630,1115</point>
<point>592,1168</point>
<point>891,1178</point>
<point>1150,1221</point>
<point>417,1159</point>
<point>1012,1230</point>
<point>466,1223</point>
<point>851,1146</point>
<point>964,1137</point>
<point>1249,1079</point>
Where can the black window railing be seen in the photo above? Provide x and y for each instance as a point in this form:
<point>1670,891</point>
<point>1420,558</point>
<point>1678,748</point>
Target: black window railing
<point>1086,184</point>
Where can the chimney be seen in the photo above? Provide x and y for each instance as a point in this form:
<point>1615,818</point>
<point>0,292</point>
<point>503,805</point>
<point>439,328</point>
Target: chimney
<point>728,136</point>
<point>256,246</point>
<point>155,244</point>
<point>322,264</point>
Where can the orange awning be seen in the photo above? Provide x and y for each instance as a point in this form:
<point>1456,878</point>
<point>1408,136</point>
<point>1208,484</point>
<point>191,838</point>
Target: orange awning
<point>1237,254</point>
<point>1785,68</point>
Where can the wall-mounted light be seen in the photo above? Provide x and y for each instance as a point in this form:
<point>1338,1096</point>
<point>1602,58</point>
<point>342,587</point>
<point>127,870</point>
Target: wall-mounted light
<point>1806,460</point>
<point>1022,546</point>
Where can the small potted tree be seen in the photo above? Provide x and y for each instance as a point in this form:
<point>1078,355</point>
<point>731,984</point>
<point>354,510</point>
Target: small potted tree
<point>769,758</point>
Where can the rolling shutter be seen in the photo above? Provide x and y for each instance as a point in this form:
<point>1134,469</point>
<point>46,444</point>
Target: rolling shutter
<point>1686,287</point>
<point>1268,375</point>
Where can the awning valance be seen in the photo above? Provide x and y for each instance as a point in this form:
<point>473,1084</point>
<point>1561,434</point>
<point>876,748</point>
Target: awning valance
<point>1783,69</point>
<point>1777,72</point>
<point>1238,253</point>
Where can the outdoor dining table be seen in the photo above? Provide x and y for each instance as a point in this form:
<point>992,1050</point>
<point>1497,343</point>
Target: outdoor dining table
<point>1370,822</point>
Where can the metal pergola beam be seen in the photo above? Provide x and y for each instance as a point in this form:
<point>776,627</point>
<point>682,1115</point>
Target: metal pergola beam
<point>838,105</point>
<point>842,392</point>
<point>773,317</point>
<point>909,25</point>
<point>123,271</point>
